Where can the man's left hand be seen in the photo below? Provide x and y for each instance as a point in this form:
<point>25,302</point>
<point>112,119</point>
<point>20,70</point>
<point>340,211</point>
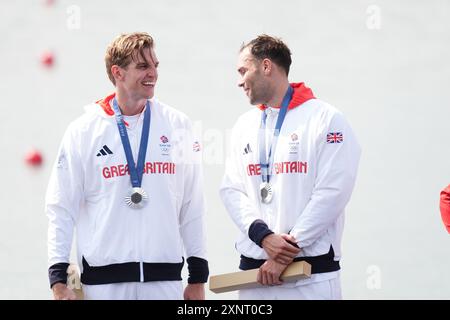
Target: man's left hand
<point>270,272</point>
<point>194,291</point>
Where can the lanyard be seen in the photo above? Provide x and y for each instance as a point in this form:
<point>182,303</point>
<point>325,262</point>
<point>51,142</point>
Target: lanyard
<point>266,164</point>
<point>136,172</point>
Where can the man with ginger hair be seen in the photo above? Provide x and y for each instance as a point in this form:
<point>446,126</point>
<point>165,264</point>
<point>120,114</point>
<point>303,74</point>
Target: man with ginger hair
<point>128,180</point>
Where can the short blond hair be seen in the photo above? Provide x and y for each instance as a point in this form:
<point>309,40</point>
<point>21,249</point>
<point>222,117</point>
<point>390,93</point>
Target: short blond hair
<point>126,48</point>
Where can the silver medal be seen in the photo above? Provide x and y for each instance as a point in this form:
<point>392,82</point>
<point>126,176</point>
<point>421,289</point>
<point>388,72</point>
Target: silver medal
<point>266,192</point>
<point>137,198</point>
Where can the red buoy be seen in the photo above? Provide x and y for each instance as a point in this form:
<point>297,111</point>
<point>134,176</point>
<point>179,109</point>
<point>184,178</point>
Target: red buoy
<point>33,158</point>
<point>47,59</point>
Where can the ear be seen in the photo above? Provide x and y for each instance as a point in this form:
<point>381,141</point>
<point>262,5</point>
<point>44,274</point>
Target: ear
<point>117,72</point>
<point>267,66</point>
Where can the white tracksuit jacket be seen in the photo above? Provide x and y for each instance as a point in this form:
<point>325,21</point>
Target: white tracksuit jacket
<point>312,179</point>
<point>88,186</point>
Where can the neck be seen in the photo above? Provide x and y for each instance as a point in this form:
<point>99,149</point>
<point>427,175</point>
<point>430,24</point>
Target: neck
<point>129,106</point>
<point>279,92</point>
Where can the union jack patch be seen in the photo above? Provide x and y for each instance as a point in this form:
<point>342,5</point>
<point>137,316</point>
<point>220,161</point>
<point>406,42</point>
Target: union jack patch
<point>335,137</point>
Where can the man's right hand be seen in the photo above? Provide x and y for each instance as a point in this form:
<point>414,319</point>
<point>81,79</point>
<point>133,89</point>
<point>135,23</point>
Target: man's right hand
<point>61,292</point>
<point>279,249</point>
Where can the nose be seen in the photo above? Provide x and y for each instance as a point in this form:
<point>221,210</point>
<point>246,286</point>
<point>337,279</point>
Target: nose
<point>152,72</point>
<point>240,83</point>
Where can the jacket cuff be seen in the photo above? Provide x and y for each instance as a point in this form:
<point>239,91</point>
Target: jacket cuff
<point>258,231</point>
<point>198,270</point>
<point>58,273</point>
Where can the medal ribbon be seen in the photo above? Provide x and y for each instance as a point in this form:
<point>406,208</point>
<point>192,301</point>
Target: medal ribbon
<point>136,172</point>
<point>266,164</point>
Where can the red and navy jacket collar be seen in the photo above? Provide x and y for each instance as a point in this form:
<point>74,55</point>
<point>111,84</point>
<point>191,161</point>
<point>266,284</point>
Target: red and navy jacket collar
<point>301,94</point>
<point>106,105</point>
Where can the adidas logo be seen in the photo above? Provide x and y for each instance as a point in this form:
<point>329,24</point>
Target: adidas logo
<point>104,151</point>
<point>247,149</point>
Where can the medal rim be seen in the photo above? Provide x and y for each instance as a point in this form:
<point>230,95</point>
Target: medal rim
<point>266,186</point>
<point>139,204</point>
